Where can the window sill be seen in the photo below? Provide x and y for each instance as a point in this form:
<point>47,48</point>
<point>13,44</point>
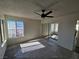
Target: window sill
<point>2,45</point>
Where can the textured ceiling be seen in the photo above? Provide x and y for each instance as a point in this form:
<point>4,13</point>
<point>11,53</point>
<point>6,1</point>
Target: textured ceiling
<point>26,8</point>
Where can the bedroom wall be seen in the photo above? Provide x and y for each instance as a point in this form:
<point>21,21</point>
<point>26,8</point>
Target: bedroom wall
<point>66,29</point>
<point>31,30</point>
<point>45,29</point>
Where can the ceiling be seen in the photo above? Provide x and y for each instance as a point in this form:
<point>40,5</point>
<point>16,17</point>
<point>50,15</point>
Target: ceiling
<point>26,8</point>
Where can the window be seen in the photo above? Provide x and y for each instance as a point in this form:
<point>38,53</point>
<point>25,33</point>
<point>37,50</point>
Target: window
<point>77,25</point>
<point>54,30</point>
<point>54,27</point>
<point>15,28</point>
<point>19,28</point>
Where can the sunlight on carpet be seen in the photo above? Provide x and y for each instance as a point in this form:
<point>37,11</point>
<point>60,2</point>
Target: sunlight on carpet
<point>26,47</point>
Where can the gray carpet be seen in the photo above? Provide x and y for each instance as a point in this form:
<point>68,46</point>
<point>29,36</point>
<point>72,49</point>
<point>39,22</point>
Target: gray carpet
<point>44,49</point>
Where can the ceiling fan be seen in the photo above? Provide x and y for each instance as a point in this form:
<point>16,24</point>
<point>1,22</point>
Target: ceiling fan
<point>45,14</point>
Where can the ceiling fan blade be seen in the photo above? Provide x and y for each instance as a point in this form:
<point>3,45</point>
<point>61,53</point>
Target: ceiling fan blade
<point>50,16</point>
<point>37,13</point>
<point>48,13</point>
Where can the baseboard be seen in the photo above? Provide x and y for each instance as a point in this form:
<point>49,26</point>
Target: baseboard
<point>39,37</point>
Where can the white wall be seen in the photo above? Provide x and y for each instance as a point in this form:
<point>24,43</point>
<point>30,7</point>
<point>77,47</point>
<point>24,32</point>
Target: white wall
<point>66,30</point>
<point>45,29</point>
<point>66,33</point>
<point>31,30</point>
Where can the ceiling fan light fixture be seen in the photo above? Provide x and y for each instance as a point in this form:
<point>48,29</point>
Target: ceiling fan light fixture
<point>43,15</point>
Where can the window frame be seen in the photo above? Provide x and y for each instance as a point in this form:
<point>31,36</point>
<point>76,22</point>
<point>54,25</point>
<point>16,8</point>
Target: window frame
<point>16,29</point>
<point>3,39</point>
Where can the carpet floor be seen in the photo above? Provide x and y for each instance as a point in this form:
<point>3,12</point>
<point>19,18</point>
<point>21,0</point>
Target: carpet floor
<point>39,49</point>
